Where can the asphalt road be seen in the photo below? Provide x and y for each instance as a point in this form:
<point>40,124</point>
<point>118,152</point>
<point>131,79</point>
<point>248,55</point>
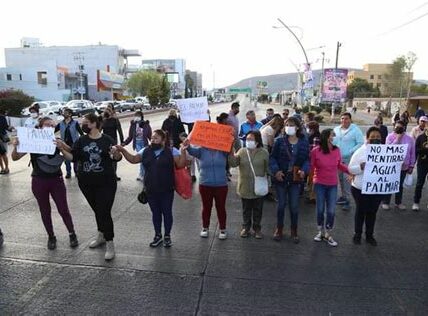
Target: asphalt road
<point>205,276</point>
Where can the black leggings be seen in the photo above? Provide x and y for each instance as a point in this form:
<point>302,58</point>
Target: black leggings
<point>101,197</point>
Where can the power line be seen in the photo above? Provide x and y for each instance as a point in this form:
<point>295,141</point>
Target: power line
<point>417,8</point>
<point>404,24</point>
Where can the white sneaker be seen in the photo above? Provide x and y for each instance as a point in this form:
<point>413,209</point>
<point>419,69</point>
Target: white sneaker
<point>109,250</point>
<point>319,236</point>
<point>222,235</point>
<point>204,233</point>
<point>415,207</point>
<point>331,241</point>
<point>98,241</point>
<point>385,207</point>
<point>401,207</point>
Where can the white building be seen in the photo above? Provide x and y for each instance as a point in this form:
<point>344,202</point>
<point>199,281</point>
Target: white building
<point>170,67</point>
<point>42,71</point>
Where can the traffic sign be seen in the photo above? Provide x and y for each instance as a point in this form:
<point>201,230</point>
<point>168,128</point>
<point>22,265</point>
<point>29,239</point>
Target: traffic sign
<point>239,90</point>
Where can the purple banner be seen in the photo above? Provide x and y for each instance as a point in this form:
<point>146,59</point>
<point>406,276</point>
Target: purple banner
<point>334,85</point>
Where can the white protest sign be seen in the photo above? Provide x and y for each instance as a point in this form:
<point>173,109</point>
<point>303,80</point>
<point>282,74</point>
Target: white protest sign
<point>36,140</point>
<point>383,167</point>
<point>193,109</point>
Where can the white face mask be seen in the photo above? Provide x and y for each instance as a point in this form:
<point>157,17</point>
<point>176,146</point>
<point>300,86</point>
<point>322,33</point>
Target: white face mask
<point>251,144</point>
<point>34,115</point>
<point>290,130</point>
<point>137,119</point>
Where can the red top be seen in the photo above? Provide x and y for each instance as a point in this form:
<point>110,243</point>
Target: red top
<point>325,166</point>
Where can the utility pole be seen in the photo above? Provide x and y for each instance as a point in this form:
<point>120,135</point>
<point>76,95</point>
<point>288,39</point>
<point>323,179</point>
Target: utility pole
<point>79,58</point>
<point>337,53</point>
<point>321,78</point>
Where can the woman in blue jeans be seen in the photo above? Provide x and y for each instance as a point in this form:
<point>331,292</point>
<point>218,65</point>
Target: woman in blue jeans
<point>325,163</point>
<point>289,163</point>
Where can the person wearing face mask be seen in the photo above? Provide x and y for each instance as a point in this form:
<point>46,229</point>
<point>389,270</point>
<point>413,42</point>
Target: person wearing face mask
<point>111,126</point>
<point>250,125</point>
<point>233,121</point>
<point>366,204</point>
<point>254,156</point>
<point>326,161</point>
<point>174,127</point>
<point>289,163</point>
<point>140,133</point>
<point>399,136</point>
<point>159,160</point>
<point>33,120</point>
<point>47,181</point>
<point>383,129</point>
<point>313,133</point>
<point>70,132</point>
<point>348,138</point>
<point>420,128</point>
<point>95,155</point>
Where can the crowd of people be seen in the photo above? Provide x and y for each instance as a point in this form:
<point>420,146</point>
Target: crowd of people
<point>285,153</point>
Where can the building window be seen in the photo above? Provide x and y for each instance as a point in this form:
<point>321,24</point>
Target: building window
<point>42,78</point>
<point>378,85</point>
<point>379,76</point>
<point>372,77</point>
<point>8,77</point>
<point>20,77</point>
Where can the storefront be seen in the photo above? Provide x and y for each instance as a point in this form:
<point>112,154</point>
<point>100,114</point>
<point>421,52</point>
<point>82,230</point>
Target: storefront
<point>110,82</point>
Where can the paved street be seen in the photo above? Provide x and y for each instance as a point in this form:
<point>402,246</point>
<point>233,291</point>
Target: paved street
<point>205,276</point>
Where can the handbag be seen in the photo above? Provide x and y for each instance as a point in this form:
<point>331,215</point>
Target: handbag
<point>183,183</point>
<point>50,165</point>
<point>261,186</point>
<point>408,180</point>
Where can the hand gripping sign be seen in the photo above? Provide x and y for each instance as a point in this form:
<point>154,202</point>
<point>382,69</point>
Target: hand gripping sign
<point>212,135</point>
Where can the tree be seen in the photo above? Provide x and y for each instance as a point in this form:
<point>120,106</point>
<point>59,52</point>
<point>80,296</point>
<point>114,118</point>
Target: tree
<point>142,81</point>
<point>360,87</point>
<point>165,91</point>
<point>13,101</point>
<point>153,95</point>
<point>394,80</point>
<point>410,62</point>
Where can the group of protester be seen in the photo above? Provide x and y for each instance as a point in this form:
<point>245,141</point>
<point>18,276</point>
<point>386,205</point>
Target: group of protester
<point>289,151</point>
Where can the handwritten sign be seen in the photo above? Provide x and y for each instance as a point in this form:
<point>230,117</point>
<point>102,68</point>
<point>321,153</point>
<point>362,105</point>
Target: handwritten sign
<point>193,109</point>
<point>36,141</point>
<point>213,136</point>
<point>383,167</point>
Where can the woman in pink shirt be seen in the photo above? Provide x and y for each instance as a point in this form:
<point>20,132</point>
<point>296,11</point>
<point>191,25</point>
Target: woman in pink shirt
<point>325,163</point>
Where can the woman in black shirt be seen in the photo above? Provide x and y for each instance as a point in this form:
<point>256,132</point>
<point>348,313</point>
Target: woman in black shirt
<point>97,177</point>
<point>111,127</point>
<point>47,181</point>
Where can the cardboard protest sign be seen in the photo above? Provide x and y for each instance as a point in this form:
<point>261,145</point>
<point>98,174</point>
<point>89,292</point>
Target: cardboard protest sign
<point>193,109</point>
<point>383,167</point>
<point>213,136</point>
<point>36,140</point>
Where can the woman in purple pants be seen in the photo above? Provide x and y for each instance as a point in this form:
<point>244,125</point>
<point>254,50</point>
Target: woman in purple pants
<point>47,181</point>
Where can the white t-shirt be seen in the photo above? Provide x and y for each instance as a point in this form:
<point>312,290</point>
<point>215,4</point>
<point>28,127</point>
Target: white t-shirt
<point>30,122</point>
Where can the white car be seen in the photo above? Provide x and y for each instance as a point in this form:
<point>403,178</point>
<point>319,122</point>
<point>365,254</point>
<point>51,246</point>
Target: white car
<point>80,107</point>
<point>101,106</point>
<point>46,108</point>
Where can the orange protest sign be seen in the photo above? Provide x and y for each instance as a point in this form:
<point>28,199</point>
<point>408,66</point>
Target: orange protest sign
<point>213,136</point>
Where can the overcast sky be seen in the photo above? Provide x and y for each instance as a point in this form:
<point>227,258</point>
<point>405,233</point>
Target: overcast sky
<point>234,39</point>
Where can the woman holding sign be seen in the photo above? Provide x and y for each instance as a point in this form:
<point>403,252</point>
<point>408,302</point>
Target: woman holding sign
<point>96,175</point>
<point>47,181</point>
<point>366,204</point>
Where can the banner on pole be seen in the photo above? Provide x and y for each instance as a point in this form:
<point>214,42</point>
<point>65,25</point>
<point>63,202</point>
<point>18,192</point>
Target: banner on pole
<point>334,85</point>
<point>193,109</point>
<point>36,140</point>
<point>212,135</point>
<point>383,168</point>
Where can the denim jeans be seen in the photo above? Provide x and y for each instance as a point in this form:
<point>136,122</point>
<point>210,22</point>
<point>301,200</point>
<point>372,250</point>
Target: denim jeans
<point>68,167</point>
<point>139,144</point>
<point>326,196</point>
<point>422,168</point>
<point>399,195</point>
<point>345,185</point>
<point>288,194</point>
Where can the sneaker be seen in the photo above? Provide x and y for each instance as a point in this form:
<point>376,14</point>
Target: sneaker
<point>258,234</point>
<point>331,241</point>
<point>68,176</point>
<point>244,233</point>
<point>167,241</point>
<point>52,243</point>
<point>222,235</point>
<point>204,233</point>
<point>401,207</point>
<point>341,201</point>
<point>98,241</point>
<point>319,237</point>
<point>157,240</point>
<point>110,254</point>
<point>371,241</point>
<point>277,235</point>
<point>385,207</point>
<point>356,239</point>
<point>73,240</point>
<point>415,207</point>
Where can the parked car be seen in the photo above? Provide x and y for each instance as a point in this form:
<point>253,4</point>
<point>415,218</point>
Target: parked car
<point>45,108</point>
<point>80,107</point>
<point>130,105</point>
<point>101,106</point>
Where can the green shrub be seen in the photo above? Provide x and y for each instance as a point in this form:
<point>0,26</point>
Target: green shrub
<point>14,101</point>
